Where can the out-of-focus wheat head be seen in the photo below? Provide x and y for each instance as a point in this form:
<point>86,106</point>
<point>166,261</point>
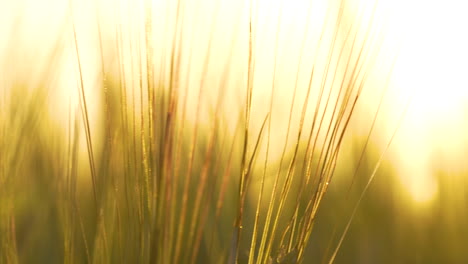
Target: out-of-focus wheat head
<point>179,131</point>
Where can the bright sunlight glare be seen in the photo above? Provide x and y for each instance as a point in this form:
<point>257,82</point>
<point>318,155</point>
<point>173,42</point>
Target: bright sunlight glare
<point>432,64</point>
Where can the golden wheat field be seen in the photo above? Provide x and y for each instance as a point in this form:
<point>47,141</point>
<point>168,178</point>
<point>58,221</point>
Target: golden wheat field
<point>233,131</point>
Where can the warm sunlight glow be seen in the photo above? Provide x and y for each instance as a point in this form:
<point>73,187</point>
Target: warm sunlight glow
<point>433,64</point>
<point>227,131</point>
<point>421,185</point>
<point>422,191</point>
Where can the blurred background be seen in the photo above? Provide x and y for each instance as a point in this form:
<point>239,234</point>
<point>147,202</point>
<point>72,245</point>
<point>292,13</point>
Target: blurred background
<point>415,95</point>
